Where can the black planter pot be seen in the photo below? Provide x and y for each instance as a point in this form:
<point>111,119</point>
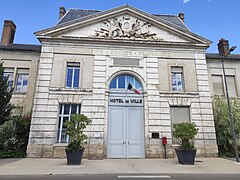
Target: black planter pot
<point>74,157</point>
<point>186,157</point>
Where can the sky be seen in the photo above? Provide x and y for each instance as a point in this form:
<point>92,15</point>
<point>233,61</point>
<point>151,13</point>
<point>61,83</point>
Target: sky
<point>211,19</point>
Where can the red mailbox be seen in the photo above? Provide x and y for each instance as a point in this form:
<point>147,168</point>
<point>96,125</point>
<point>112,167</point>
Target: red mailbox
<point>164,140</point>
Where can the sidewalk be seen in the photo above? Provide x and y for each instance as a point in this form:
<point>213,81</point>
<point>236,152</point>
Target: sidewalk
<point>30,166</point>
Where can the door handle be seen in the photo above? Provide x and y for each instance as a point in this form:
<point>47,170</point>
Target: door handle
<point>124,142</point>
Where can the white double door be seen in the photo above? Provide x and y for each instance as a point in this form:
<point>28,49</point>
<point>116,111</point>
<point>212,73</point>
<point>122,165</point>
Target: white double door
<point>125,132</point>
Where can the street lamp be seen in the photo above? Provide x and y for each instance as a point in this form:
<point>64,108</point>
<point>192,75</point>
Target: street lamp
<point>229,107</point>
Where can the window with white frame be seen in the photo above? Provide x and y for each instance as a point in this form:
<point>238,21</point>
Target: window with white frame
<point>122,81</point>
<point>179,114</point>
<point>8,73</point>
<point>177,78</point>
<point>65,111</point>
<point>22,80</point>
<point>73,75</point>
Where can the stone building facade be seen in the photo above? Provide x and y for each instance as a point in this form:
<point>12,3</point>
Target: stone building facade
<point>85,65</point>
<point>111,47</point>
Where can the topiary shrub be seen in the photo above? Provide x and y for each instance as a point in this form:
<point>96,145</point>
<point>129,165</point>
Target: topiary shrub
<point>185,132</point>
<point>74,129</point>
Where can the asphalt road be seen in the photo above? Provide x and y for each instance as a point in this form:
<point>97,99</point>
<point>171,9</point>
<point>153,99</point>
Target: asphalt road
<point>127,177</point>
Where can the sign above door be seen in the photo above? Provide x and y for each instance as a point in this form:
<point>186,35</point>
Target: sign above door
<point>125,101</point>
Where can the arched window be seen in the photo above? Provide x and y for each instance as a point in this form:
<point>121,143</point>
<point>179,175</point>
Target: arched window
<point>122,81</point>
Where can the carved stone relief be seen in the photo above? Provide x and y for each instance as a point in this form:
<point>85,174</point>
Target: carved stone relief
<point>126,27</point>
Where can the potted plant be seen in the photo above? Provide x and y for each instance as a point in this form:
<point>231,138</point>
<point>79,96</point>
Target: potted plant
<point>74,129</point>
<point>185,132</point>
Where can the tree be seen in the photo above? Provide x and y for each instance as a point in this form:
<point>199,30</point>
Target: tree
<point>14,136</point>
<point>5,96</point>
<point>223,125</point>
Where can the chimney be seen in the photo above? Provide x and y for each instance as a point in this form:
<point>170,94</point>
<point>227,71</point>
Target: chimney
<point>61,12</point>
<point>8,33</point>
<point>181,16</point>
<point>223,47</point>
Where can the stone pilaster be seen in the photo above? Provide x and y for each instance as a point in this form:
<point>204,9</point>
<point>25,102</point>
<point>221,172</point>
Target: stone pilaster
<point>96,141</point>
<point>206,137</point>
<point>42,133</point>
<point>154,121</point>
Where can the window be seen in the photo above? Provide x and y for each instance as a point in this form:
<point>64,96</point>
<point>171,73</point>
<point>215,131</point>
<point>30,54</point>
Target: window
<point>177,78</point>
<point>8,72</point>
<point>178,115</point>
<point>231,83</point>
<point>217,85</point>
<point>121,82</point>
<point>22,80</point>
<point>73,75</point>
<point>65,110</point>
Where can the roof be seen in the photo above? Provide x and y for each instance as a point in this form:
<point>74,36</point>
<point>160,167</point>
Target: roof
<point>216,56</point>
<point>172,19</point>
<point>73,14</point>
<point>21,47</point>
<point>71,23</point>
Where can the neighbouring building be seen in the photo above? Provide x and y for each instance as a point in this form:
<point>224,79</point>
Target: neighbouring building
<point>21,65</point>
<point>85,64</point>
<point>232,69</point>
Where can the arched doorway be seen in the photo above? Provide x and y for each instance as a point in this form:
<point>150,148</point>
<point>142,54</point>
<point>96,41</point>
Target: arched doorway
<point>125,119</point>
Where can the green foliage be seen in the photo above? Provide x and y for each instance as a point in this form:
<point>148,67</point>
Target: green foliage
<point>185,132</point>
<point>5,96</point>
<point>74,129</point>
<point>223,125</point>
<point>8,135</point>
<point>14,137</point>
<point>22,131</point>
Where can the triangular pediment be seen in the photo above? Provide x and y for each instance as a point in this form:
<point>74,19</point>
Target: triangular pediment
<point>123,23</point>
